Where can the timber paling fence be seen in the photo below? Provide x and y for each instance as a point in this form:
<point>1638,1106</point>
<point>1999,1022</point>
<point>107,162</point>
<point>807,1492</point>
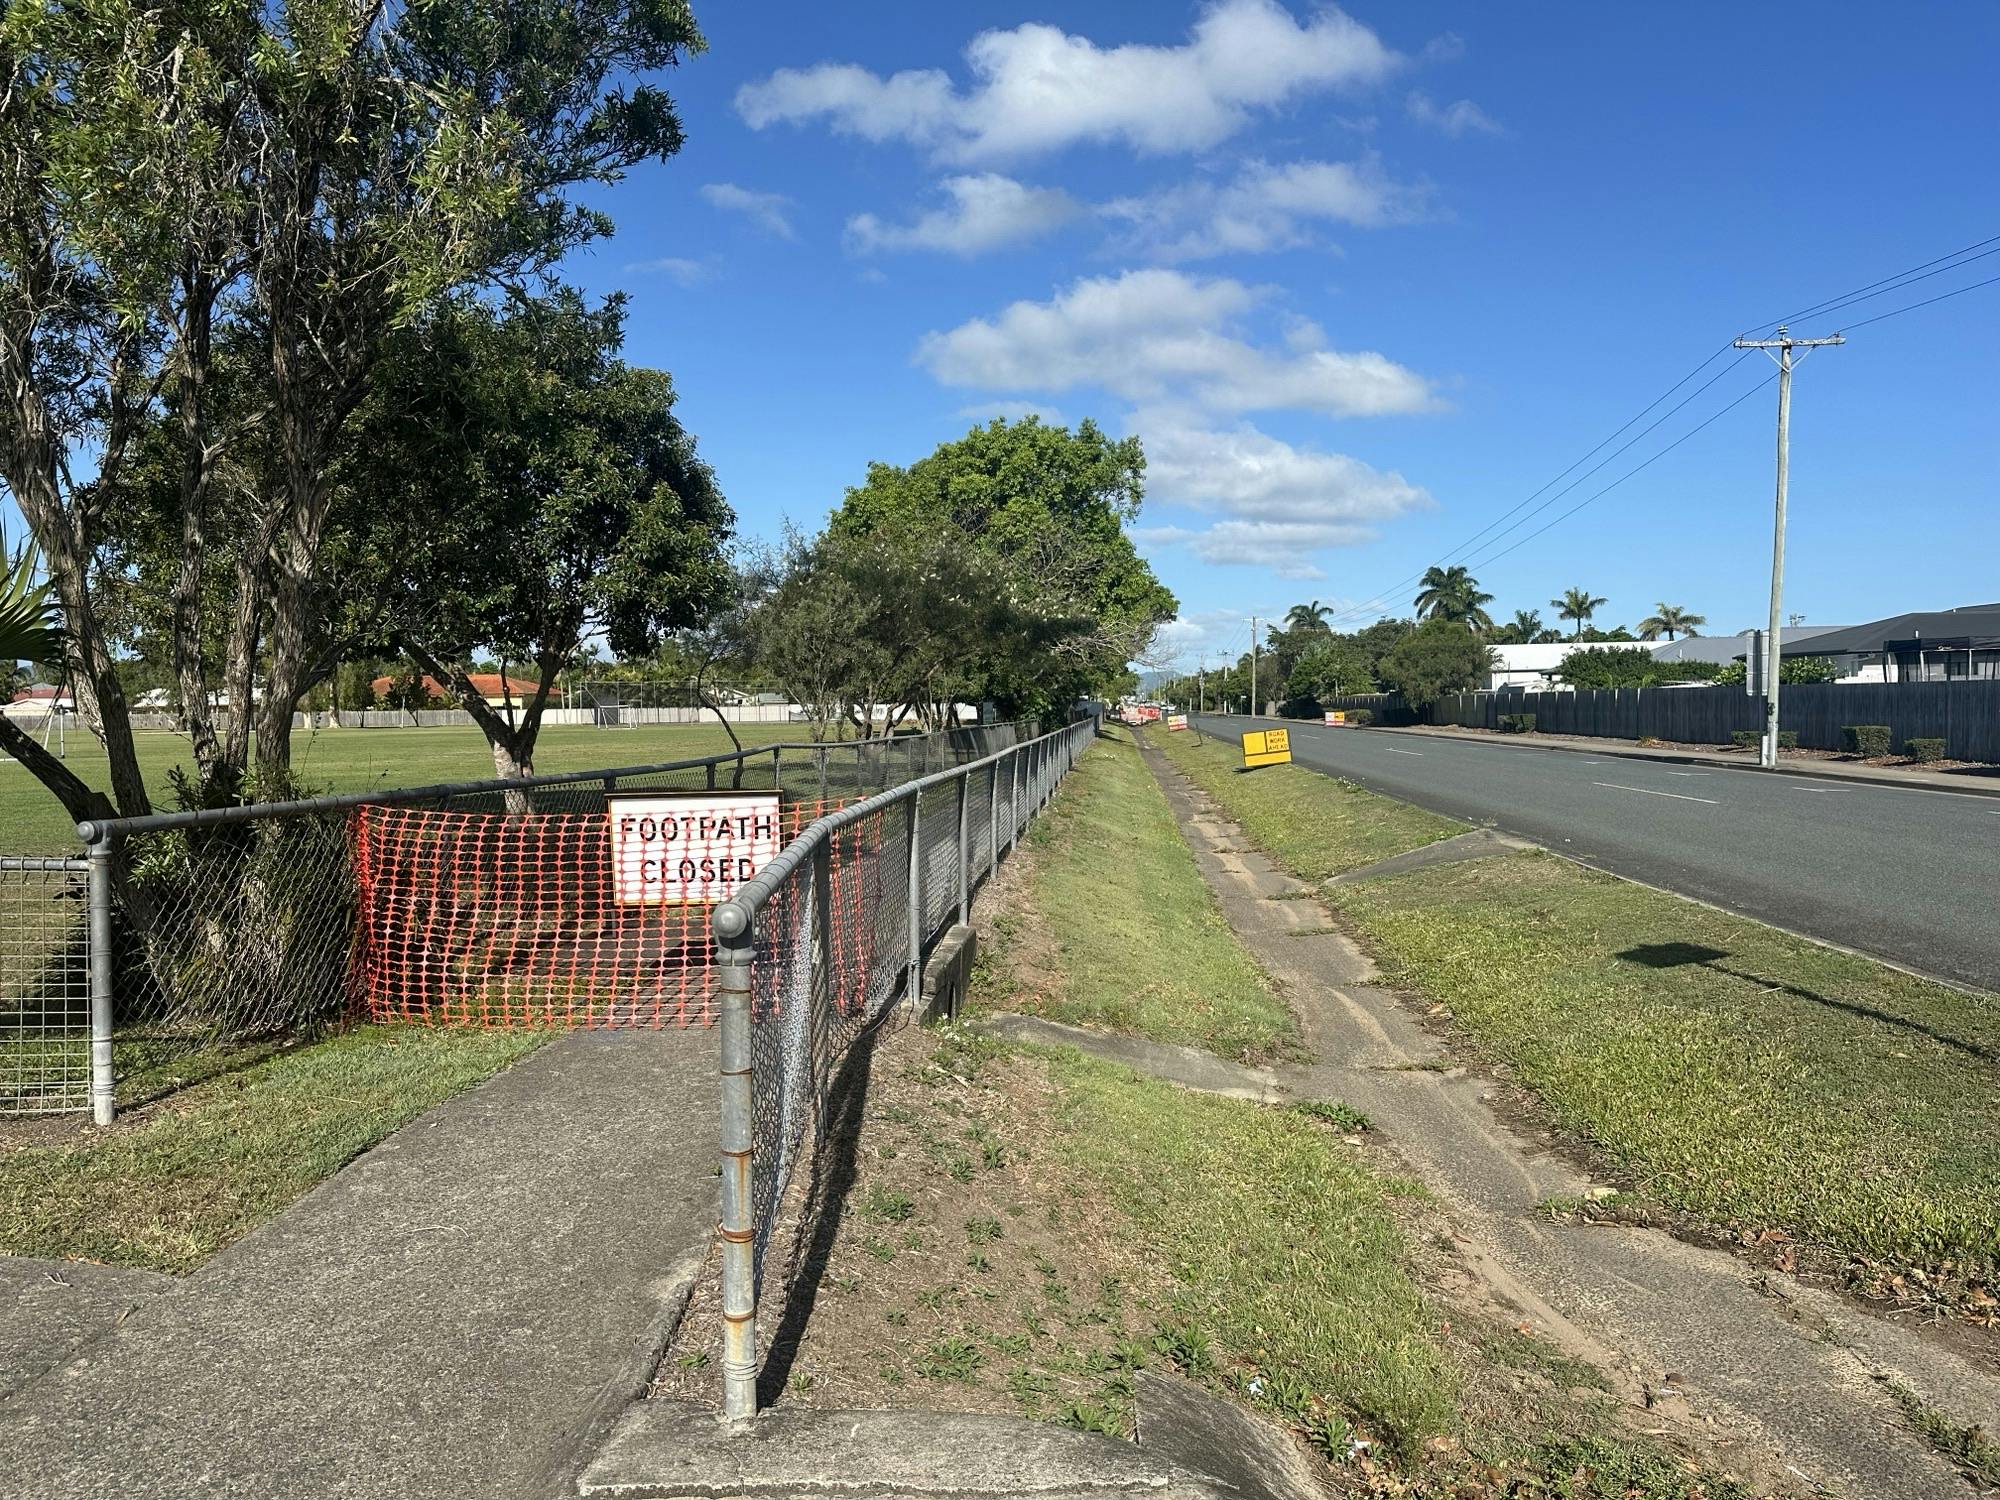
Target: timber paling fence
<point>1965,715</point>
<point>804,967</point>
<point>494,903</point>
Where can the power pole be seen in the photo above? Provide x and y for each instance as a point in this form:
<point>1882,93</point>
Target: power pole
<point>1253,664</point>
<point>1784,343</point>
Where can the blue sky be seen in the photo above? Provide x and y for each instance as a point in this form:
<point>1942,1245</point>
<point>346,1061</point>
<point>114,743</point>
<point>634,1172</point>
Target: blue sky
<point>1362,280</point>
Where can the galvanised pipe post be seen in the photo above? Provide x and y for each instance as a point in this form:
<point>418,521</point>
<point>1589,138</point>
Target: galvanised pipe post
<point>734,949</point>
<point>102,1104</point>
<point>1013,797</point>
<point>914,981</point>
<point>964,854</point>
<point>820,756</point>
<point>992,819</point>
<point>777,772</point>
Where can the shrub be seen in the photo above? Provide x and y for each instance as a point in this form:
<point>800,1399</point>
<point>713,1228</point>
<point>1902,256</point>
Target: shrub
<point>1865,739</point>
<point>1788,739</point>
<point>1922,750</point>
<point>1517,723</point>
<point>1360,715</point>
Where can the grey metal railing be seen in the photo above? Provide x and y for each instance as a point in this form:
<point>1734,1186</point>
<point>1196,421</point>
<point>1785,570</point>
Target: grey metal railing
<point>240,922</point>
<point>815,947</point>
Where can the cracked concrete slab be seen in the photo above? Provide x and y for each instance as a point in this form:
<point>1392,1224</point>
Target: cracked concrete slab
<point>1787,1378</point>
<point>1190,1067</point>
<point>52,1308</point>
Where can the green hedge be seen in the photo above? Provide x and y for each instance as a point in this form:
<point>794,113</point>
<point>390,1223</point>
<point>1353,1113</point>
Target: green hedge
<point>1921,750</point>
<point>1517,723</point>
<point>1865,739</point>
<point>1788,739</point>
<point>1359,715</point>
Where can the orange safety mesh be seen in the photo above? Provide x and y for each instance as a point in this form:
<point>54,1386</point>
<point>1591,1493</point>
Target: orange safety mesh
<point>489,919</point>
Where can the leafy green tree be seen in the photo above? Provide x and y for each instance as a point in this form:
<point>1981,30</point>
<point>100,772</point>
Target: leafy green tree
<point>1046,508</point>
<point>1629,666</point>
<point>1800,670</point>
<point>1578,605</point>
<point>1671,621</point>
<point>212,221</point>
<point>1453,594</point>
<point>523,488</point>
<point>1335,667</point>
<point>1439,657</point>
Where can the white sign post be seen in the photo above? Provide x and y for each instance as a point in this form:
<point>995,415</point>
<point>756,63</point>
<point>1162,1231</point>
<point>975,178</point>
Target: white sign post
<point>690,848</point>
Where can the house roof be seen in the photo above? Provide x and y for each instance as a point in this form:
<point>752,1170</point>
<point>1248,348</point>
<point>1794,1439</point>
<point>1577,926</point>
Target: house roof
<point>486,684</point>
<point>1970,625</point>
<point>1724,649</point>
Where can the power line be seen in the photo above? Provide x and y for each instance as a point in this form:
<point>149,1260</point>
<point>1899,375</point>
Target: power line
<point>1953,260</point>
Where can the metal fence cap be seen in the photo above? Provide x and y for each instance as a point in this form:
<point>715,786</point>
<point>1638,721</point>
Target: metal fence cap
<point>730,920</point>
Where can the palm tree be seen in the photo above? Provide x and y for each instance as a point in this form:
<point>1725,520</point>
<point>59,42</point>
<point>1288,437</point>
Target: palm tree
<point>1672,622</point>
<point>28,629</point>
<point>1454,594</point>
<point>1524,627</point>
<point>1311,616</point>
<point>1578,605</point>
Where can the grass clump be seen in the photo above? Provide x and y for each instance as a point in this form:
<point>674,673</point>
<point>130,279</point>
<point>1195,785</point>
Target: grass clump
<point>1283,1247</point>
<point>1969,1447</point>
<point>1748,1076</point>
<point>1143,948</point>
<point>167,1191</point>
<point>1315,825</point>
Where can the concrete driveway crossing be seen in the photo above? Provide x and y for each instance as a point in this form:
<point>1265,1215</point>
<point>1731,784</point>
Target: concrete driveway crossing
<point>1908,875</point>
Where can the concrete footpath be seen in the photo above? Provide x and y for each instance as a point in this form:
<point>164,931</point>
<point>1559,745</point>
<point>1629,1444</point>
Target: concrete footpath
<point>463,1311</point>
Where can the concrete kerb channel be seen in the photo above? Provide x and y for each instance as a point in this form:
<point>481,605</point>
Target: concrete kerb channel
<point>105,840</point>
<point>1031,771</point>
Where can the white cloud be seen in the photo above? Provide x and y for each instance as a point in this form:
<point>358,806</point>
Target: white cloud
<point>1160,335</point>
<point>986,212</point>
<point>1266,208</point>
<point>675,267</point>
<point>1462,117</point>
<point>1038,88</point>
<point>768,211</point>
<point>1280,504</point>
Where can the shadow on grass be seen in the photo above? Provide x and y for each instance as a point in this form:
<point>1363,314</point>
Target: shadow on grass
<point>1684,955</point>
<point>834,1171</point>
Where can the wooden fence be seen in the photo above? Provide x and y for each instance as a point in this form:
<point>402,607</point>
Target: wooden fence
<point>1965,715</point>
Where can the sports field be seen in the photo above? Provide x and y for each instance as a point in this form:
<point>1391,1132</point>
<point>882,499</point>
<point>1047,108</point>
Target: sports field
<point>353,760</point>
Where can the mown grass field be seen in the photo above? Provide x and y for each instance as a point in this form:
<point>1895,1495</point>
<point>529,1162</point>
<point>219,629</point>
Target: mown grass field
<point>1141,945</point>
<point>168,1189</point>
<point>1317,826</point>
<point>1736,1073</point>
<point>355,760</point>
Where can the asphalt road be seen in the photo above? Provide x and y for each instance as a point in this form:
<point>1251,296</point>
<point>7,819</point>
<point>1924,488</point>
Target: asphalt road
<point>1912,876</point>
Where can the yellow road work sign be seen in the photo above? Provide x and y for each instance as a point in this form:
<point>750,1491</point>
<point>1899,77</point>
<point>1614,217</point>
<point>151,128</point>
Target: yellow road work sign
<point>1267,747</point>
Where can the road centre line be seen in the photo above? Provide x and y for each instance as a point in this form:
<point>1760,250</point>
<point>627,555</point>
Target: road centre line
<point>1647,791</point>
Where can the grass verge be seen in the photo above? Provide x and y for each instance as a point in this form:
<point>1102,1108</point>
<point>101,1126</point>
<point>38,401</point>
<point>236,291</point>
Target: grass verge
<point>1023,1229</point>
<point>1139,944</point>
<point>1315,832</point>
<point>1737,1073</point>
<point>173,1186</point>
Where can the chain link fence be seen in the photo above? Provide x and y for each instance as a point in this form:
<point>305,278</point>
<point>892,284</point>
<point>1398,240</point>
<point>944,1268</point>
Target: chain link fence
<point>806,962</point>
<point>44,986</point>
<point>485,902</point>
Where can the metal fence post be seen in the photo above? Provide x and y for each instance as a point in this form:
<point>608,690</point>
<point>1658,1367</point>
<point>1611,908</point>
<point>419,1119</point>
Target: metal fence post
<point>820,755</point>
<point>102,1105</point>
<point>964,854</point>
<point>777,773</point>
<point>992,819</point>
<point>914,982</point>
<point>734,949</point>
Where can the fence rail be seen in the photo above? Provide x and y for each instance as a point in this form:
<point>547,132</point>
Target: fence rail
<point>801,974</point>
<point>225,924</point>
<point>1965,715</point>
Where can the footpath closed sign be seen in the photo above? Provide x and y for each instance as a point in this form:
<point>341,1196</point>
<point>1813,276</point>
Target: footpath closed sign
<point>682,848</point>
<point>1267,747</point>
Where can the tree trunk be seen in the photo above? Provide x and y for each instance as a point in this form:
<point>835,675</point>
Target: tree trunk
<point>84,803</point>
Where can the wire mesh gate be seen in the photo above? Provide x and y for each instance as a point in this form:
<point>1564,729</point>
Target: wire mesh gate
<point>45,951</point>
